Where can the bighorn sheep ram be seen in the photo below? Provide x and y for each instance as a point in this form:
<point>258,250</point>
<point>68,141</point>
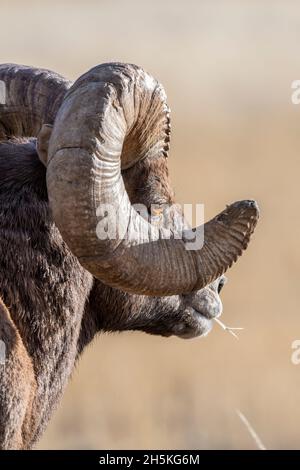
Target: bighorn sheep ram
<point>66,149</point>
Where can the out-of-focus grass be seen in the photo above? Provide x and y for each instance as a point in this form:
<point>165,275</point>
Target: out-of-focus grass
<point>227,67</point>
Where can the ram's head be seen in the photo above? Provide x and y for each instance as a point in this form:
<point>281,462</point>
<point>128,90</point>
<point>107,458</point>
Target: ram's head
<point>105,142</point>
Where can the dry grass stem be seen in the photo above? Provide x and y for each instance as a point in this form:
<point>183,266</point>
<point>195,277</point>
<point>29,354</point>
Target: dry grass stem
<point>254,435</point>
<point>230,329</point>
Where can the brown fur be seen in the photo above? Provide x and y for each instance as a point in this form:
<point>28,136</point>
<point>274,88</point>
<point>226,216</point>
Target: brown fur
<point>53,307</point>
<point>18,384</point>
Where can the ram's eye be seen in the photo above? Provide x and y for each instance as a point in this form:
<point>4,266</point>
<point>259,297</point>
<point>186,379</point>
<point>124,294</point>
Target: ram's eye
<point>221,284</point>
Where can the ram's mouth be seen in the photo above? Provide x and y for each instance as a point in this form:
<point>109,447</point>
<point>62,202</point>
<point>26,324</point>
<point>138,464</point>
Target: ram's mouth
<point>193,325</point>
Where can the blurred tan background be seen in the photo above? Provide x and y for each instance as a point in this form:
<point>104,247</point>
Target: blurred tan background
<point>227,68</point>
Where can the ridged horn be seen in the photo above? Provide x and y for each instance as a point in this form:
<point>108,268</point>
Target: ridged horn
<point>31,97</point>
<point>113,116</point>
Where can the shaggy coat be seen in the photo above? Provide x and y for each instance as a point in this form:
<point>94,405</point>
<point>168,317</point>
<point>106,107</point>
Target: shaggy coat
<point>51,307</point>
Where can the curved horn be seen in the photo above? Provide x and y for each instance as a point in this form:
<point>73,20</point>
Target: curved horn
<point>111,117</point>
<point>31,98</point>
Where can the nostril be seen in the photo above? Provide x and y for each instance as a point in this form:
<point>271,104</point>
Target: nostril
<point>222,283</point>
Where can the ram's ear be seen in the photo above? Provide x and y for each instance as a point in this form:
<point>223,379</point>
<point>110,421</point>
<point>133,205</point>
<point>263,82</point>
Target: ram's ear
<point>43,142</point>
